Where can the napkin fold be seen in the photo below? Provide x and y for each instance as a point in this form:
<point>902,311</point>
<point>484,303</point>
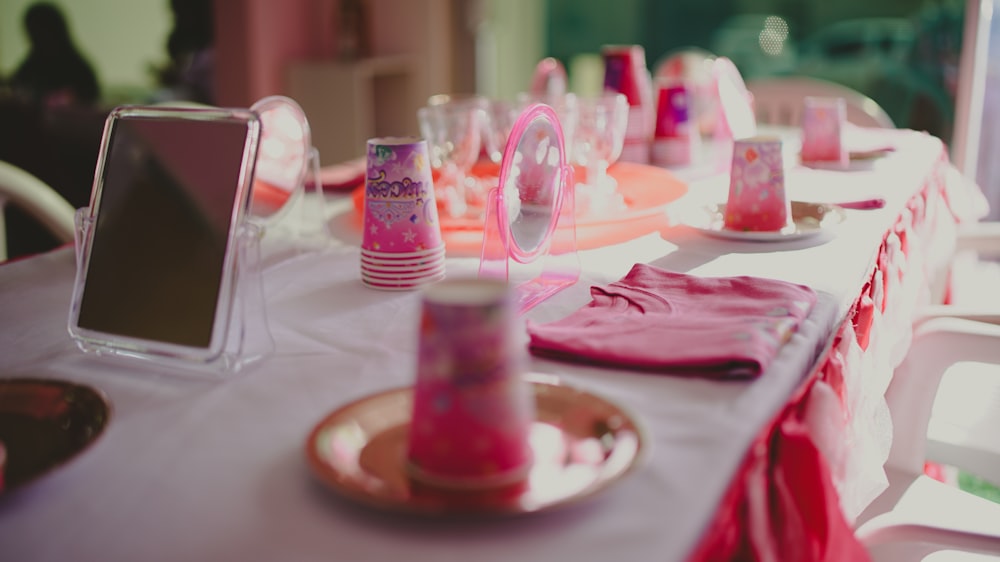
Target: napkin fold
<point>657,320</point>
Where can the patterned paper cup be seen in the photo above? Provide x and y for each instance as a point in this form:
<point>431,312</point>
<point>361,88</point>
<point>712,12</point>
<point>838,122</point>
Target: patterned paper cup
<point>414,270</point>
<point>404,275</point>
<point>472,409</point>
<point>433,253</point>
<point>400,211</point>
<point>390,265</point>
<point>401,285</point>
<point>757,199</point>
<point>822,128</point>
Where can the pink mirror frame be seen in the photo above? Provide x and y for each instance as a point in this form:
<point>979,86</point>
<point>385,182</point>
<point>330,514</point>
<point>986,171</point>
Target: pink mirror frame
<point>553,264</point>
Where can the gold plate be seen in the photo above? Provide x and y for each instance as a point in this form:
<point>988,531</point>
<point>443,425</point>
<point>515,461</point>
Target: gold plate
<point>45,424</point>
<point>808,219</point>
<point>581,443</point>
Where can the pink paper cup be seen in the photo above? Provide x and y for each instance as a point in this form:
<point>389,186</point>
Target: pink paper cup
<point>399,268</point>
<point>396,285</point>
<point>400,210</point>
<point>383,275</point>
<point>822,129</point>
<point>433,253</point>
<point>757,199</point>
<point>472,409</point>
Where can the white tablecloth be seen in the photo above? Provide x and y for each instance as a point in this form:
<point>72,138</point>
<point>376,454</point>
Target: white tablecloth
<point>199,467</point>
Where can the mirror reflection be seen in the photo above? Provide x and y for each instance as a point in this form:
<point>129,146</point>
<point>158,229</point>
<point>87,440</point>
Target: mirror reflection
<point>531,190</point>
<point>285,143</point>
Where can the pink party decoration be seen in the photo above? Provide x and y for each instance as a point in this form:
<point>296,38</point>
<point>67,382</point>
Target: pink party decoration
<point>549,78</point>
<point>822,125</point>
<point>400,210</point>
<point>676,136</point>
<point>472,410</point>
<point>625,72</point>
<point>757,198</point>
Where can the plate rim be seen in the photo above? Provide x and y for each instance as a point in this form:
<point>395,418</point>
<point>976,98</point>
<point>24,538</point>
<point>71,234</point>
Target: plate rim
<point>326,475</point>
<point>6,488</point>
<point>712,209</point>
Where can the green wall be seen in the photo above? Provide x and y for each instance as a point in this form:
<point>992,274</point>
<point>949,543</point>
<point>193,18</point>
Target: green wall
<point>121,38</point>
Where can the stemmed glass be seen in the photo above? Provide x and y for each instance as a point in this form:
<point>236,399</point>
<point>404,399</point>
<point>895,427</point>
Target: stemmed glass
<point>501,115</point>
<point>453,130</point>
<point>565,106</point>
<point>599,137</point>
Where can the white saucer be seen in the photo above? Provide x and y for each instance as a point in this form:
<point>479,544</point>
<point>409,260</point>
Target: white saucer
<point>809,219</point>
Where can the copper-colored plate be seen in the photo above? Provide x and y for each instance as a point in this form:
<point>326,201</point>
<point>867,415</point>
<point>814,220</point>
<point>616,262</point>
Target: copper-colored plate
<point>582,444</point>
<point>808,219</point>
<point>45,424</point>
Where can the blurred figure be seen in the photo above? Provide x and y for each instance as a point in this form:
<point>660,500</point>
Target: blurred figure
<point>189,75</point>
<point>54,73</point>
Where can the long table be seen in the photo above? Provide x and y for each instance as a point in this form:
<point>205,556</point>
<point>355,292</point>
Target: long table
<point>213,467</point>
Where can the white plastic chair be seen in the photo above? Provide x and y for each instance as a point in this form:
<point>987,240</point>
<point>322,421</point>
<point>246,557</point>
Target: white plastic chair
<point>963,428</point>
<point>35,197</point>
<point>916,509</point>
<point>779,101</point>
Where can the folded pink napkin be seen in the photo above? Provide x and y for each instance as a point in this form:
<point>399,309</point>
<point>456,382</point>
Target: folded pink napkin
<point>658,320</point>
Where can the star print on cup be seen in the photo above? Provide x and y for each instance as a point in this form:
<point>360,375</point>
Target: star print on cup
<point>401,247</point>
<point>757,199</point>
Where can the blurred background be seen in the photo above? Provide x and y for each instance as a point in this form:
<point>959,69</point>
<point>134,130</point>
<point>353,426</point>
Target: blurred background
<point>361,68</point>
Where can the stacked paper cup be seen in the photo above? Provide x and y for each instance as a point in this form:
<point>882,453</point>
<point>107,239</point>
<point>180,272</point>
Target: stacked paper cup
<point>401,247</point>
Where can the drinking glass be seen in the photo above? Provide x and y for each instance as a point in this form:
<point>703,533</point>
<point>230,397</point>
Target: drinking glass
<point>501,115</point>
<point>600,136</point>
<point>565,106</point>
<point>453,130</point>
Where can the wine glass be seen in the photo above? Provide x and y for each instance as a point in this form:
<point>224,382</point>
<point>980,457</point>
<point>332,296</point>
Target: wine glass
<point>501,115</point>
<point>453,130</point>
<point>565,106</point>
<point>599,137</point>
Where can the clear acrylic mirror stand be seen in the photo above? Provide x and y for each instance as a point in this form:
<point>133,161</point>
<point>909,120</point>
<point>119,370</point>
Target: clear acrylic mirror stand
<point>299,225</point>
<point>247,333</point>
<point>555,264</point>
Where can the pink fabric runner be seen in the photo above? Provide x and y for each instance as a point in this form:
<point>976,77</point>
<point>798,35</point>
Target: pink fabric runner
<point>658,320</point>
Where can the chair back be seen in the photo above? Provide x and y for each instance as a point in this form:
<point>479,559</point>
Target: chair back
<point>38,200</point>
<point>779,101</point>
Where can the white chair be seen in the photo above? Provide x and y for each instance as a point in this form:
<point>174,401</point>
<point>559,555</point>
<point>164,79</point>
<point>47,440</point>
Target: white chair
<point>36,198</point>
<point>963,428</point>
<point>917,510</point>
<point>779,100</point>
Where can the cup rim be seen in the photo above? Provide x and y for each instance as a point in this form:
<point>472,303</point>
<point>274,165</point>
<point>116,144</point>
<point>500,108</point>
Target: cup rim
<point>395,140</point>
<point>403,255</point>
<point>403,285</point>
<point>408,266</point>
<point>398,279</point>
<point>402,269</point>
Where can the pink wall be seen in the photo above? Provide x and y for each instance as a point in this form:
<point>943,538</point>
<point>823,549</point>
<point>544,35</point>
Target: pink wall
<point>257,38</point>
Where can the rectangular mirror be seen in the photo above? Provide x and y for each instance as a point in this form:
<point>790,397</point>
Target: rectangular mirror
<point>171,188</point>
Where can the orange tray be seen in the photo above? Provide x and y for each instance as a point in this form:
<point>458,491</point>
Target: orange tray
<point>646,190</point>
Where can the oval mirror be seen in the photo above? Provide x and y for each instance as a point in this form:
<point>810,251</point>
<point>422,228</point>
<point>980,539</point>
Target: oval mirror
<point>531,179</point>
<point>734,100</point>
<point>283,155</point>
